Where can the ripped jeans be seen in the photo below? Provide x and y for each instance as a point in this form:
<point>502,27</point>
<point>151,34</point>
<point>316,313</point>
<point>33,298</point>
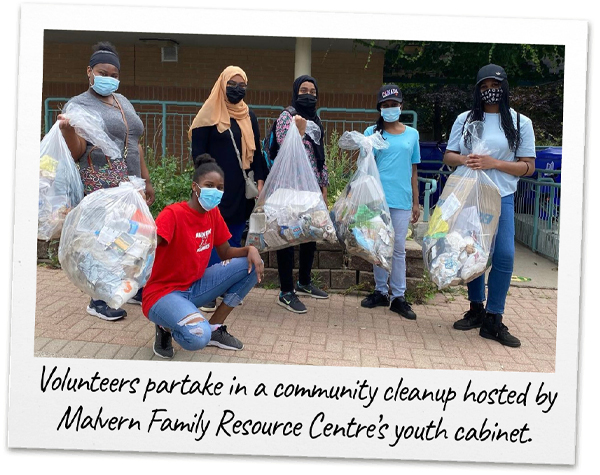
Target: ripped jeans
<point>178,310</point>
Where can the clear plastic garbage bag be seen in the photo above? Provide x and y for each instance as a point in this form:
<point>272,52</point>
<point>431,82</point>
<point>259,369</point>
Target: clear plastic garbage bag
<point>60,186</point>
<point>90,125</point>
<point>108,243</point>
<point>290,209</point>
<point>361,215</point>
<point>459,242</point>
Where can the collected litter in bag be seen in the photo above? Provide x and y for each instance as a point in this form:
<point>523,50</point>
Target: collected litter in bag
<point>361,215</point>
<point>60,186</point>
<point>459,242</point>
<point>108,242</point>
<point>290,209</point>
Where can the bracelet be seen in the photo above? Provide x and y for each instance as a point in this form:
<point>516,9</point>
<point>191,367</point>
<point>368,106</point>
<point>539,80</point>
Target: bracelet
<point>526,163</point>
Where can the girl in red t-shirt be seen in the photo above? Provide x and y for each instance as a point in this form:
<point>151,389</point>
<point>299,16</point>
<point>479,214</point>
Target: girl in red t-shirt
<point>181,281</point>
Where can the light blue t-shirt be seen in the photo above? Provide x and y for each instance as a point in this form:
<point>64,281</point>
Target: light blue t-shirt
<point>395,166</point>
<point>495,140</point>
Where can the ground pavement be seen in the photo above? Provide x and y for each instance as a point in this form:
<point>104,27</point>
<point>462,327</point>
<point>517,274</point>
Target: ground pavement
<point>334,332</point>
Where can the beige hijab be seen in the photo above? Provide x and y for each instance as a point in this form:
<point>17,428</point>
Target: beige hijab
<point>217,110</point>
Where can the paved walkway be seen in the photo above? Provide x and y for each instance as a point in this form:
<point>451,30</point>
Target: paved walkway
<point>334,332</point>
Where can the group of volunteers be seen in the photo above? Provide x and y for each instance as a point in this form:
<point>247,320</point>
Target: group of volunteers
<point>199,255</point>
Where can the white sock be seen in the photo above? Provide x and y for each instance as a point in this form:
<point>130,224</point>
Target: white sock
<point>214,327</point>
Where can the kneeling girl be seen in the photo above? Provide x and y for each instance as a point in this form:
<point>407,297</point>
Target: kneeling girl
<point>181,282</point>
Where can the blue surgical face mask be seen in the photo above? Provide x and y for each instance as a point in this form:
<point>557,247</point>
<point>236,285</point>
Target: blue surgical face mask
<point>209,198</point>
<point>391,114</point>
<point>105,85</point>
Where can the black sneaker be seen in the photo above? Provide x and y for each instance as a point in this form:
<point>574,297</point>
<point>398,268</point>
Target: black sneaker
<point>492,328</point>
<point>473,318</point>
<point>376,299</point>
<point>401,306</point>
<point>223,339</point>
<point>100,309</point>
<point>291,301</point>
<point>209,307</point>
<point>136,299</point>
<point>311,291</point>
<point>163,346</point>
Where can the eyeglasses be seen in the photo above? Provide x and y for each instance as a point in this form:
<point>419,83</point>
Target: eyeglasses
<point>243,85</point>
<point>305,90</point>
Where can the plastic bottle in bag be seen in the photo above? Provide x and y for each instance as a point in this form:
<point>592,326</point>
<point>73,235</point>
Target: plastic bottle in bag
<point>459,242</point>
<point>361,215</point>
<point>100,250</point>
<point>290,209</point>
<point>60,186</point>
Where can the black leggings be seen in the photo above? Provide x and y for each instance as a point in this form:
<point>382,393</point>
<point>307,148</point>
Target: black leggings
<point>285,264</point>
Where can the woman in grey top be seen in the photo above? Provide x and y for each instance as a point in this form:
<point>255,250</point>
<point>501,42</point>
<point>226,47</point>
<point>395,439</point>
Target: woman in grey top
<point>103,77</point>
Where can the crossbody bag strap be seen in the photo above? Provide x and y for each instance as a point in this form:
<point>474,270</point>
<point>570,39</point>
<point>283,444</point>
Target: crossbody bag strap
<point>89,157</point>
<point>237,152</point>
<point>126,127</point>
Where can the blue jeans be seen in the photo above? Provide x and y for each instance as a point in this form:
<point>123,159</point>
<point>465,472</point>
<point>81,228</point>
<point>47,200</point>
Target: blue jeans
<point>172,310</point>
<point>502,262</point>
<point>236,231</point>
<point>400,220</point>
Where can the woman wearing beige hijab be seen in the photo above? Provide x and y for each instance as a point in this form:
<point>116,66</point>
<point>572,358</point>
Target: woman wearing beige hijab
<point>225,111</point>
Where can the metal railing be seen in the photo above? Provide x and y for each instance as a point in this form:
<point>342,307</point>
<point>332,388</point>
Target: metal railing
<point>537,213</point>
<point>340,124</point>
<point>166,123</point>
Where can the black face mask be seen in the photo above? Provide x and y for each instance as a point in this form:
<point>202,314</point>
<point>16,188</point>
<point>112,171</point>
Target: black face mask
<point>307,101</point>
<point>235,94</point>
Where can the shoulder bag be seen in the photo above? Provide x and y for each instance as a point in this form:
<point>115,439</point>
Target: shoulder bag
<point>251,187</point>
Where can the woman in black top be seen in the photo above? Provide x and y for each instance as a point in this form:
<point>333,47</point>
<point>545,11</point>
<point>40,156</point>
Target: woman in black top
<point>225,113</point>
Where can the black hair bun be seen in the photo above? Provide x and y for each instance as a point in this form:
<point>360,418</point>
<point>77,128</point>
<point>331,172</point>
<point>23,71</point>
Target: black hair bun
<point>105,46</point>
<point>203,159</point>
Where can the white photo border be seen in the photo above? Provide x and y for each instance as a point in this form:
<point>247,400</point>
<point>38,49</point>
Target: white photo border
<point>29,410</point>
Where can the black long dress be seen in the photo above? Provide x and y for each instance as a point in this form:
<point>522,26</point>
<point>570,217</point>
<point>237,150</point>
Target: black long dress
<point>234,206</point>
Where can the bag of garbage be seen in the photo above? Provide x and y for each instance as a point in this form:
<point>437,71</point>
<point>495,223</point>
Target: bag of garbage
<point>459,242</point>
<point>290,209</point>
<point>60,186</point>
<point>108,243</point>
<point>361,215</point>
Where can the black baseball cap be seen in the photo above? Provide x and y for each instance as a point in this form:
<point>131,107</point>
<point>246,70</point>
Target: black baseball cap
<point>491,71</point>
<point>389,92</point>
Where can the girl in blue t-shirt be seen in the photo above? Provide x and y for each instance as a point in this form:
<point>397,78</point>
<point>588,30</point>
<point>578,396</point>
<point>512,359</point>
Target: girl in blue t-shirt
<point>397,167</point>
<point>512,135</point>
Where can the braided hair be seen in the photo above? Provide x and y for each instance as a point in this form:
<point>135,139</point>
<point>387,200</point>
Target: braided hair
<point>506,120</point>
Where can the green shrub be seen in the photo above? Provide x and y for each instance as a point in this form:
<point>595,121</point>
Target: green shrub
<point>170,184</point>
<point>341,165</point>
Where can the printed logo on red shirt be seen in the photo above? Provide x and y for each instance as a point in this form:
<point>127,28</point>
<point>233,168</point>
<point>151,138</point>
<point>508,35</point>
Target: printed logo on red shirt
<point>204,240</point>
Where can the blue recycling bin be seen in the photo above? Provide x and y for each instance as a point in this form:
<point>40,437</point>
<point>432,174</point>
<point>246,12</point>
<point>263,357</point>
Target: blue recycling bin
<point>549,159</point>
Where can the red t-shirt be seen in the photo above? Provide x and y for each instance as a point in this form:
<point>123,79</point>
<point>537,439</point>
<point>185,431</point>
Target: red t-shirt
<point>190,237</point>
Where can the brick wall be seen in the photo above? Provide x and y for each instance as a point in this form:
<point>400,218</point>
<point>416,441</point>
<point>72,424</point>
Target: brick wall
<point>338,270</point>
<point>343,79</point>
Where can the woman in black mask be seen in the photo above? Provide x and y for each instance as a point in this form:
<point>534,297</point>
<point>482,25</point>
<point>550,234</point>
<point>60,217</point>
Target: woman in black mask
<point>304,107</point>
<point>227,129</point>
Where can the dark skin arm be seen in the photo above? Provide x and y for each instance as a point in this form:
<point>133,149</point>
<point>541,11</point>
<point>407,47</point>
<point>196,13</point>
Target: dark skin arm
<point>150,197</point>
<point>76,144</point>
<point>226,252</point>
<point>486,162</point>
